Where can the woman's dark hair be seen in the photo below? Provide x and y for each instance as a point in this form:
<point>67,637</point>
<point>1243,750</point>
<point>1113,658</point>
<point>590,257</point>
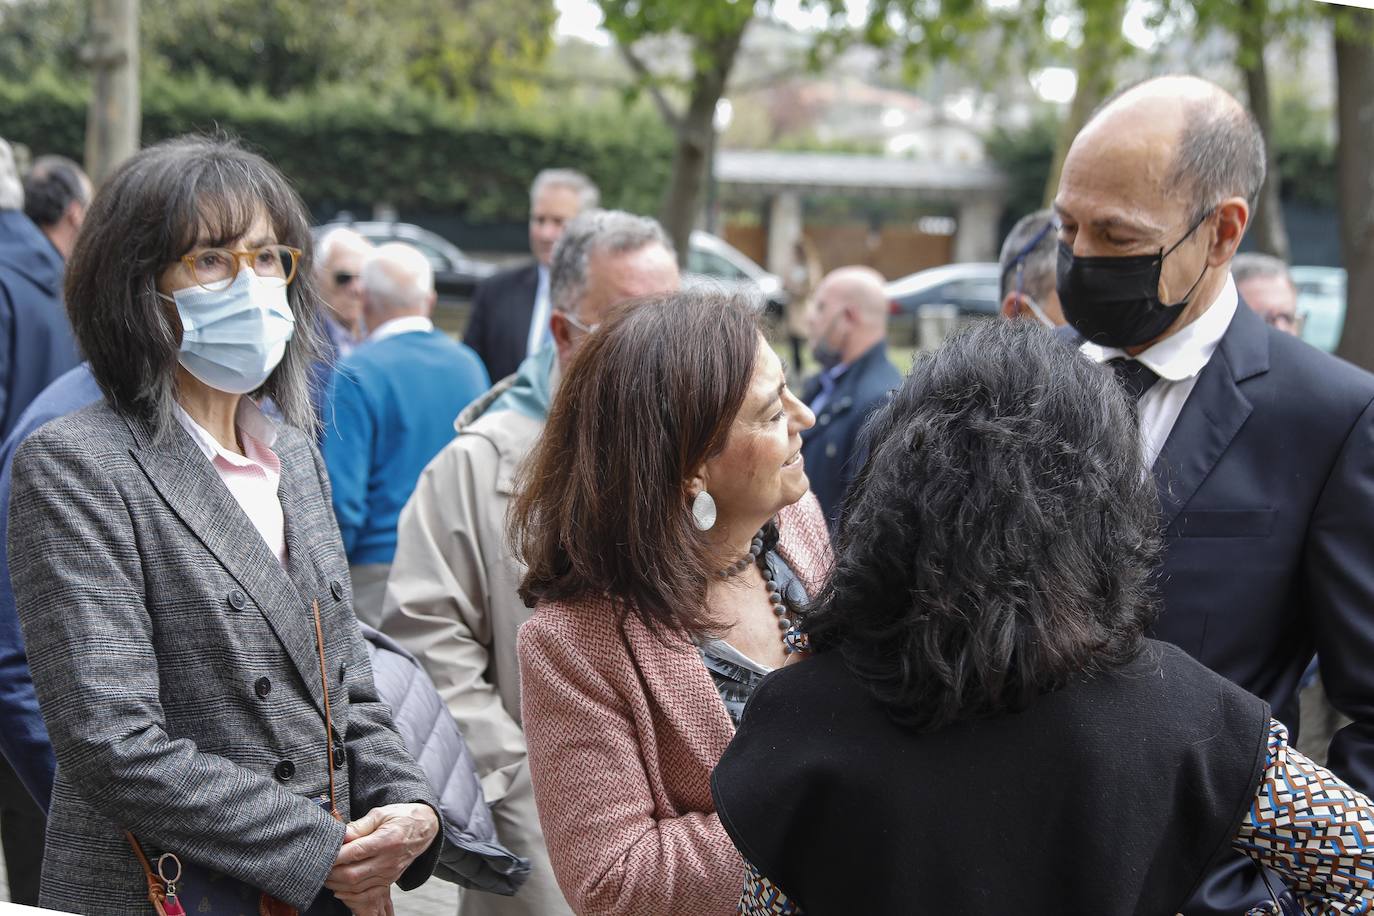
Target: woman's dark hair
<point>1001,537</point>
<point>604,507</point>
<point>150,212</point>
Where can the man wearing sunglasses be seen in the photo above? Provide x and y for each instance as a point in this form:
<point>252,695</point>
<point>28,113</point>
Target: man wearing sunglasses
<point>452,597</point>
<point>338,273</point>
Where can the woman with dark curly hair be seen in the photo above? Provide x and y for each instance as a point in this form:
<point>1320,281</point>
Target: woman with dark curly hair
<point>984,726</point>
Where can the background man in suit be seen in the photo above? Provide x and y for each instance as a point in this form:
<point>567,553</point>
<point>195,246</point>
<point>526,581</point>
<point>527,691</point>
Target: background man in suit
<point>510,311</point>
<point>56,195</point>
<point>848,331</point>
<point>391,409</point>
<point>1262,447</point>
<point>1265,285</point>
<point>1028,259</point>
<point>36,343</point>
<point>452,599</point>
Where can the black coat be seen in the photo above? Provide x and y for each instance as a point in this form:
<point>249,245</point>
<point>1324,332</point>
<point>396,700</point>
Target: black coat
<point>834,449</point>
<point>1108,797</point>
<point>36,342</point>
<point>502,308</point>
<point>1266,487</point>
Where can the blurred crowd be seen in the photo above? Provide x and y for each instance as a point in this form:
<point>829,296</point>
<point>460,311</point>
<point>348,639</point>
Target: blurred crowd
<point>609,609</point>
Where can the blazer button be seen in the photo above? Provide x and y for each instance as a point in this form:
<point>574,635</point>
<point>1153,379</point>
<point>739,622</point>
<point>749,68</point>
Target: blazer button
<point>336,589</point>
<point>823,419</point>
<point>263,687</point>
<point>831,449</point>
<point>343,671</point>
<point>238,600</point>
<point>339,757</point>
<point>285,770</point>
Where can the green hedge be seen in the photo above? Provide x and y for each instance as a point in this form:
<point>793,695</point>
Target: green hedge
<point>348,148</point>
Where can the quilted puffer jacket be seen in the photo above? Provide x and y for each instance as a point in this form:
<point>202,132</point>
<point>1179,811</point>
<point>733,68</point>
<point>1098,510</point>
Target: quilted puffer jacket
<point>472,856</point>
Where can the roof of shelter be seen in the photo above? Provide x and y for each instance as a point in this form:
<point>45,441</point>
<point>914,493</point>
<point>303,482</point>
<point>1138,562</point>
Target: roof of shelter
<point>822,172</point>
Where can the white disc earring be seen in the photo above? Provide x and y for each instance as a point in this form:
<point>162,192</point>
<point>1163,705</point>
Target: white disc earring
<point>704,511</point>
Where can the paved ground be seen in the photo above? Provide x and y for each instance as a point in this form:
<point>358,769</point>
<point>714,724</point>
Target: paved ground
<point>434,898</point>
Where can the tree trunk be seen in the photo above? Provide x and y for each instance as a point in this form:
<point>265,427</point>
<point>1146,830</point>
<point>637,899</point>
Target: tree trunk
<point>1355,181</point>
<point>1097,56</point>
<point>1268,229</point>
<point>695,134</point>
<point>114,119</point>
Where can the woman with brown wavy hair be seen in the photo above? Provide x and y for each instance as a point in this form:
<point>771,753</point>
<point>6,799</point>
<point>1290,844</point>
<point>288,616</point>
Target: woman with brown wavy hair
<point>669,534</point>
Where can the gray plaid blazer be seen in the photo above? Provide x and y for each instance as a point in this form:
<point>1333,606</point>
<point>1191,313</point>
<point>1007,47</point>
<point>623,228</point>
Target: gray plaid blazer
<point>176,667</point>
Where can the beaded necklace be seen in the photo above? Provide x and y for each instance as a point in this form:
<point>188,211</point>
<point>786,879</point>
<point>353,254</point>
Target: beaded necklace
<point>764,541</point>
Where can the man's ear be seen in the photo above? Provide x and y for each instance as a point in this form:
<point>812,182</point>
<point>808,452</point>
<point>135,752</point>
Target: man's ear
<point>1233,217</point>
<point>1011,305</point>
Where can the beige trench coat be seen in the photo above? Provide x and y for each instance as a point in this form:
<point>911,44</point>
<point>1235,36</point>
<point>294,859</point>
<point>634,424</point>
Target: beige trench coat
<point>451,601</point>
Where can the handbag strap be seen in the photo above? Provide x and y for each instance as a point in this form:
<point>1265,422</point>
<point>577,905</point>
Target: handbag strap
<point>157,891</point>
<point>328,718</point>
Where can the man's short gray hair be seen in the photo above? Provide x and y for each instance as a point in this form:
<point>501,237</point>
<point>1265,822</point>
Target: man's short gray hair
<point>11,188</point>
<point>1251,265</point>
<point>588,196</point>
<point>397,277</point>
<point>1039,264</point>
<point>330,239</point>
<point>1221,154</point>
<point>607,231</point>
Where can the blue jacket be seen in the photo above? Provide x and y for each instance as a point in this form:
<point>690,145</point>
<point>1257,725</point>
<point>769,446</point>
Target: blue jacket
<point>23,736</point>
<point>36,342</point>
<point>833,448</point>
<point>391,407</point>
<point>472,856</point>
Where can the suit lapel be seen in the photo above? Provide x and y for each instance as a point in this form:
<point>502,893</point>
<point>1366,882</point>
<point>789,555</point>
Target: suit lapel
<point>1213,414</point>
<point>192,489</point>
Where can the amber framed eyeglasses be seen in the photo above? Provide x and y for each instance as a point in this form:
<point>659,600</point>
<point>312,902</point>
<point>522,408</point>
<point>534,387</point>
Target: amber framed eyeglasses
<point>216,268</point>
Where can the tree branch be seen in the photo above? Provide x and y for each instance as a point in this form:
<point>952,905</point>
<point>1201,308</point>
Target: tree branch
<point>650,82</point>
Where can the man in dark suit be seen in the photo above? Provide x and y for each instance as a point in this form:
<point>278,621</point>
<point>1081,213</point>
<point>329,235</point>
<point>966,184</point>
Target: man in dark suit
<point>510,311</point>
<point>848,330</point>
<point>36,343</point>
<point>1262,447</point>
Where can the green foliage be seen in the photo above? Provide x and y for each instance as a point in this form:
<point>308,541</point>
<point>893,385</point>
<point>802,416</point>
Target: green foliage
<point>351,147</point>
<point>466,50</point>
<point>1026,156</point>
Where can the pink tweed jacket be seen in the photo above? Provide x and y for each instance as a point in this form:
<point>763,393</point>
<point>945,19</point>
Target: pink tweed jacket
<point>624,729</point>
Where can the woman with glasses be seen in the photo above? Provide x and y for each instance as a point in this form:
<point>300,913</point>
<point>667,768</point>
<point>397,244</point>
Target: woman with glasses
<point>180,579</point>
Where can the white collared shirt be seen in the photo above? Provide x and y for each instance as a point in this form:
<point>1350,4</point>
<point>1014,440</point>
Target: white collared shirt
<point>1177,360</point>
<point>251,478</point>
<point>406,324</point>
<point>539,321</point>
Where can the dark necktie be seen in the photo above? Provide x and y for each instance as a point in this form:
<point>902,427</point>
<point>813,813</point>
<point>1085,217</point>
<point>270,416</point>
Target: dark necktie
<point>1136,378</point>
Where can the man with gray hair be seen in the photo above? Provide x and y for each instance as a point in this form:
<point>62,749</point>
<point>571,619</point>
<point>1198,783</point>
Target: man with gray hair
<point>1265,285</point>
<point>1262,448</point>
<point>36,342</point>
<point>452,599</point>
<point>510,311</point>
<point>391,407</point>
<point>1029,256</point>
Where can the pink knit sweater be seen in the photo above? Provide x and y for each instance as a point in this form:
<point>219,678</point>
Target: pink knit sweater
<point>624,729</point>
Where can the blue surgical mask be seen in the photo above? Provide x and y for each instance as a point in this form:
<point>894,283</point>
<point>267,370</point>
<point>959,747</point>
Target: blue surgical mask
<point>232,338</point>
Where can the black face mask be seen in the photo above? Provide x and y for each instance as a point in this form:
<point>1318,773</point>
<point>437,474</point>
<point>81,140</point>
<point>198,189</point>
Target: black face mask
<point>1114,302</point>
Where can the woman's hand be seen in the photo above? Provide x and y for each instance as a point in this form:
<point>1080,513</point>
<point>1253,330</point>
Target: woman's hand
<point>377,849</point>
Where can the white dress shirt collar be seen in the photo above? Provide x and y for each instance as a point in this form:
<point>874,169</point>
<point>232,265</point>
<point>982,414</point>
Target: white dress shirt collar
<point>407,324</point>
<point>1183,355</point>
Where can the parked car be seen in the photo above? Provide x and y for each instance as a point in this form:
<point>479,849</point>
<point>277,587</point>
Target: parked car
<point>456,274</point>
<point>711,256</point>
<point>974,289</point>
<point>1321,304</point>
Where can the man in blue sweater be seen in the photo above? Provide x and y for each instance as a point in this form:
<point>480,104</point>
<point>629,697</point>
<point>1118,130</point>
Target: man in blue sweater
<point>390,410</point>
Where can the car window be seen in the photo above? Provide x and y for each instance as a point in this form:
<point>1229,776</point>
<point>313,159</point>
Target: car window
<point>712,265</point>
<point>435,257</point>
